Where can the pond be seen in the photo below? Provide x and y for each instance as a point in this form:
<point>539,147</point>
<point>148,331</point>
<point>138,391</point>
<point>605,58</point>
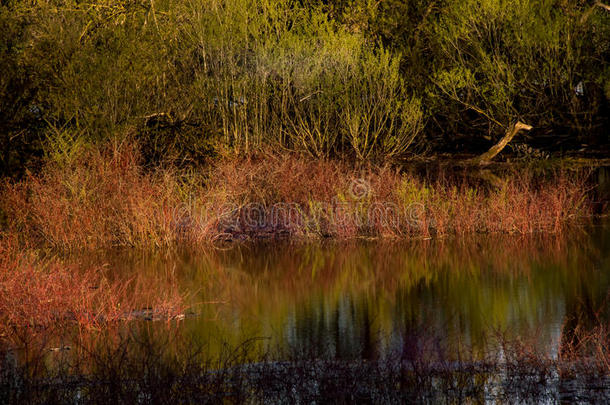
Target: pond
<point>364,299</point>
<point>479,317</point>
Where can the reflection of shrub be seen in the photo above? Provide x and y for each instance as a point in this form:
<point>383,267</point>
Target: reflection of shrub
<point>44,295</point>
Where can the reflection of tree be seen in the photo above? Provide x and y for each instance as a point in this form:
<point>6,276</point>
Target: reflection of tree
<point>584,313</point>
<point>588,304</point>
<point>369,348</point>
<point>347,299</point>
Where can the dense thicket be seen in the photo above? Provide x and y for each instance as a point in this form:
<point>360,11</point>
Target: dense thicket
<point>362,78</point>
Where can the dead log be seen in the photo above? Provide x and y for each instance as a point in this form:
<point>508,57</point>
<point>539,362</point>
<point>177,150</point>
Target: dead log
<point>586,15</point>
<point>497,148</point>
<point>602,5</point>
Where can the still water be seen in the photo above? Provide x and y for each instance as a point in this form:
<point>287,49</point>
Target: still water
<point>362,299</point>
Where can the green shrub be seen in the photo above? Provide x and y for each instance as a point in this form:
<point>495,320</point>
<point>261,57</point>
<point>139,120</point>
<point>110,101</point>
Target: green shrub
<point>514,60</point>
<point>479,65</point>
<point>378,113</point>
<point>294,78</point>
<point>357,77</point>
<point>200,75</point>
<point>18,116</point>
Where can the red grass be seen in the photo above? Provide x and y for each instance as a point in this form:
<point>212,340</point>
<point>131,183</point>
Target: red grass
<point>105,198</point>
<point>102,198</point>
<point>341,201</point>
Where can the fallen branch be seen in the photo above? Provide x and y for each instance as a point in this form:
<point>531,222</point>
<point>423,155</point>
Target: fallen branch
<point>592,8</point>
<point>497,148</point>
<point>602,5</point>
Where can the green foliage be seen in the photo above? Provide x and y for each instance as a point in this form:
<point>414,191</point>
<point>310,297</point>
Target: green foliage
<point>378,112</point>
<point>512,59</point>
<point>192,77</point>
<point>522,59</point>
<point>289,76</point>
<point>482,64</point>
<point>18,116</point>
<point>63,146</point>
<point>355,77</point>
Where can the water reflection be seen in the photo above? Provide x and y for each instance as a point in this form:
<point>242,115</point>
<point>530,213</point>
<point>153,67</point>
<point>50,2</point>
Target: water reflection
<point>369,298</point>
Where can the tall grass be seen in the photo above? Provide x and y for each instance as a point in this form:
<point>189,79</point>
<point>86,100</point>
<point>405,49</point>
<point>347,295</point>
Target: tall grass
<point>101,197</point>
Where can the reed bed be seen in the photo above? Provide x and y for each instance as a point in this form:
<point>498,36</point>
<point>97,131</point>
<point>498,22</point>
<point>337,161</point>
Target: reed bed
<point>104,196</point>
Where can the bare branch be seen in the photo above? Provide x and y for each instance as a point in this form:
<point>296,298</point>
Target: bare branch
<point>497,148</point>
